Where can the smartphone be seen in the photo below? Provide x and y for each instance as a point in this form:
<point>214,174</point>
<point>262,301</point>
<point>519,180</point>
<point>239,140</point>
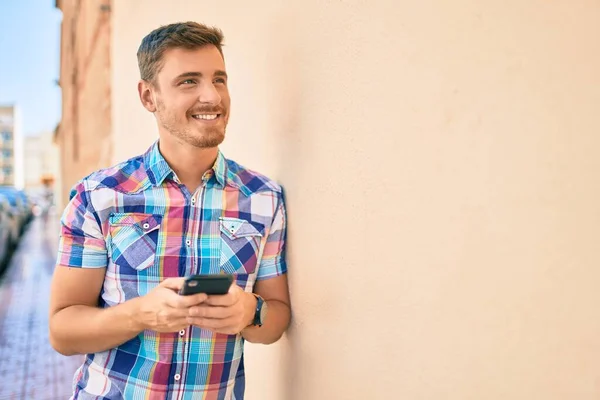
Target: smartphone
<point>209,284</point>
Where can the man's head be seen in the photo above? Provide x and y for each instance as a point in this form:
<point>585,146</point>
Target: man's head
<point>184,83</point>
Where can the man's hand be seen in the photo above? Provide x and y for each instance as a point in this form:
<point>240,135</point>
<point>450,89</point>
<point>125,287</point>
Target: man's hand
<point>229,313</point>
<point>164,310</point>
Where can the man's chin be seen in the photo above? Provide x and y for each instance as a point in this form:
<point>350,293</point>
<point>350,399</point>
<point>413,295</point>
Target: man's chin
<point>209,141</point>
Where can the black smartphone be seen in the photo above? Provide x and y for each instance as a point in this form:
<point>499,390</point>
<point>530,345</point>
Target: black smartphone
<point>209,284</point>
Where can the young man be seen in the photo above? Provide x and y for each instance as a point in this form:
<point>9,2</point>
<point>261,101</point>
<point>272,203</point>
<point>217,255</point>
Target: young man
<point>131,233</point>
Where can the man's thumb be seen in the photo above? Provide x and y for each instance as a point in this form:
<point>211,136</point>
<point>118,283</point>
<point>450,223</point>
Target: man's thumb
<point>173,283</point>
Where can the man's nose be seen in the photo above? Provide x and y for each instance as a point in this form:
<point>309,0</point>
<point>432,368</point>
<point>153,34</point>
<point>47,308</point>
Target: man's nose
<point>209,94</point>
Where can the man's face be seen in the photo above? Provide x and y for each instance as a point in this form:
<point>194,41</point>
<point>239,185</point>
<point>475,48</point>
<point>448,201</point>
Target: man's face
<point>192,99</point>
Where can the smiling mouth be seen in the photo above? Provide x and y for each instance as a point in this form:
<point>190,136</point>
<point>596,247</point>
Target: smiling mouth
<point>206,117</point>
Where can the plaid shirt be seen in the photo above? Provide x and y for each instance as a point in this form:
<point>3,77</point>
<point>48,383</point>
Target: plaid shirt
<point>140,223</point>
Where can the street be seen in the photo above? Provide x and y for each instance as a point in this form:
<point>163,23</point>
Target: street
<point>29,367</point>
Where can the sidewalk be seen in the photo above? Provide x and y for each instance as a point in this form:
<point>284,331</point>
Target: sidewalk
<point>30,369</point>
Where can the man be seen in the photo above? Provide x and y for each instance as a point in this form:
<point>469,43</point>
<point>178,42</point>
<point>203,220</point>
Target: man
<point>131,233</point>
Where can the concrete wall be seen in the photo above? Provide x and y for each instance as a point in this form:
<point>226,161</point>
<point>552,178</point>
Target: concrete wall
<point>440,161</point>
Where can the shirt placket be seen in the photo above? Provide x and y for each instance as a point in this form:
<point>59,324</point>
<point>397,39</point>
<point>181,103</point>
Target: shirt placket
<point>180,371</point>
<point>191,239</point>
<point>195,227</point>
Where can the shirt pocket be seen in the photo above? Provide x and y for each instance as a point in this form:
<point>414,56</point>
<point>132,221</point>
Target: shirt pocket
<point>134,239</point>
<point>240,244</point>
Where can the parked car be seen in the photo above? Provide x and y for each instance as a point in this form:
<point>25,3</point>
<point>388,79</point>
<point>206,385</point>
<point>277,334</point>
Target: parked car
<point>20,204</point>
<point>28,205</point>
<point>9,231</point>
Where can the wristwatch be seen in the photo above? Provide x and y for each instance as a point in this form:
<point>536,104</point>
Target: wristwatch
<point>261,311</point>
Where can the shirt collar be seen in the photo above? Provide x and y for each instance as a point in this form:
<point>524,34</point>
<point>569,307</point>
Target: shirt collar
<point>158,169</point>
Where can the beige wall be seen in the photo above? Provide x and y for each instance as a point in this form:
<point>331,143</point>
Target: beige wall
<point>440,160</point>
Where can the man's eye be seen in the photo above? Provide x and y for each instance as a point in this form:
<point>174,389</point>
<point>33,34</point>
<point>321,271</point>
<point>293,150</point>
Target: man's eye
<point>220,80</point>
<point>188,82</point>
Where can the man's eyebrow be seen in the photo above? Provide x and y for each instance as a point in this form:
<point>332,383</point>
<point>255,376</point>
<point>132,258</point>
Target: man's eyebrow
<point>188,75</point>
<point>193,74</point>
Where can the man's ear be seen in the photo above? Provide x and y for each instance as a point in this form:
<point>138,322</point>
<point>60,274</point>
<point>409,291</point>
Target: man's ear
<point>145,91</point>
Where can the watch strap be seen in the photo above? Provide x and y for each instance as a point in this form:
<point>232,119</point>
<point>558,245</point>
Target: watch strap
<point>257,313</point>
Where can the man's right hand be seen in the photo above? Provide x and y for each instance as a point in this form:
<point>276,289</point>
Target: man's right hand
<point>163,309</point>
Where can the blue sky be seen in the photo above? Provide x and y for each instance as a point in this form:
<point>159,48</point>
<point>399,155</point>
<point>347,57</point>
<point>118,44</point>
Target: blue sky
<point>30,61</point>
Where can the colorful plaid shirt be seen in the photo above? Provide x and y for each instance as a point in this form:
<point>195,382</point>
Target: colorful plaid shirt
<point>140,223</point>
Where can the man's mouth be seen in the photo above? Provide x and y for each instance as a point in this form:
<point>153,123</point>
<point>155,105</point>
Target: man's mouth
<point>206,117</point>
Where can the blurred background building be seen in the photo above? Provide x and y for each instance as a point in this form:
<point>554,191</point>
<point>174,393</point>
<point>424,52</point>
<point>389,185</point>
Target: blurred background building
<point>7,145</point>
<point>42,169</point>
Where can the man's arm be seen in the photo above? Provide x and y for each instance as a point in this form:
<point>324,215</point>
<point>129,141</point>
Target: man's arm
<point>272,283</point>
<point>234,312</point>
<point>76,323</point>
<point>78,326</point>
<point>276,295</point>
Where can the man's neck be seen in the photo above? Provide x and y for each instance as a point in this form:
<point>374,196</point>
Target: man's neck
<point>189,162</point>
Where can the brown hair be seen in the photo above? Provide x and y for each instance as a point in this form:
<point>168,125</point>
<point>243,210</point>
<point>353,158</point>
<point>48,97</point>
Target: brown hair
<point>187,35</point>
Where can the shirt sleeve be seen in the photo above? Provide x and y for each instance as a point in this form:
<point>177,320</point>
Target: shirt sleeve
<point>273,261</point>
<point>81,243</point>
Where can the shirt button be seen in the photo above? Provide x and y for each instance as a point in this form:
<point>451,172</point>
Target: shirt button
<point>182,332</point>
<point>188,242</point>
<point>193,200</point>
<point>177,377</point>
<point>146,225</point>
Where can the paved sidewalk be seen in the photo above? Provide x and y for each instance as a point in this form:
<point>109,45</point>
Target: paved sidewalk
<point>29,368</point>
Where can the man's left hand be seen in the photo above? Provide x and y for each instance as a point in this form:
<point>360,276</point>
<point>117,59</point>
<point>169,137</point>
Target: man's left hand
<point>229,313</point>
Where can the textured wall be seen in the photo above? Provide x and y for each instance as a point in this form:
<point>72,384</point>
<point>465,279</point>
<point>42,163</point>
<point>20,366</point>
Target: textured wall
<point>440,161</point>
<point>84,134</point>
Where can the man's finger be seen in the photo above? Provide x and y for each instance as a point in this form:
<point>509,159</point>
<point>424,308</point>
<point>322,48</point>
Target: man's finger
<point>223,300</point>
<point>177,313</point>
<point>180,323</point>
<point>184,302</point>
<point>173,283</point>
<point>226,300</point>
<point>192,300</point>
<point>215,312</point>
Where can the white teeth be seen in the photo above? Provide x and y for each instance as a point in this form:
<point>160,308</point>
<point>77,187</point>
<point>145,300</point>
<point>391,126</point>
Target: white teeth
<point>205,116</point>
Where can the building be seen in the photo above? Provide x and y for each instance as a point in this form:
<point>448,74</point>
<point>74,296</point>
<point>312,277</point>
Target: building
<point>42,167</point>
<point>84,133</point>
<point>440,161</point>
<point>7,145</point>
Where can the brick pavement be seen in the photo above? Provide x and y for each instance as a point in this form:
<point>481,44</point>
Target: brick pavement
<point>29,368</point>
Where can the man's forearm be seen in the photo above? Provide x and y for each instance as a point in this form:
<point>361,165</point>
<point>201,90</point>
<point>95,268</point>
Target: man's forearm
<point>277,321</point>
<point>81,329</point>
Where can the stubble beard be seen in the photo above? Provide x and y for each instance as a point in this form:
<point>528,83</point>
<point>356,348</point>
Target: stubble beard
<point>201,138</point>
